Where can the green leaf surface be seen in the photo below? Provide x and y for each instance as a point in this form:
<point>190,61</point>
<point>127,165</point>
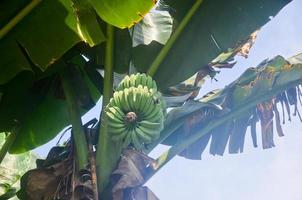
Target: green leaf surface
<point>157,25</point>
<point>122,13</point>
<point>41,125</point>
<point>52,37</point>
<point>215,27</point>
<point>30,109</point>
<point>88,26</point>
<point>51,28</point>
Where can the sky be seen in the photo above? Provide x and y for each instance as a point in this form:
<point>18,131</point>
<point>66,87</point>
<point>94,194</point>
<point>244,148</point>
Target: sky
<point>256,174</point>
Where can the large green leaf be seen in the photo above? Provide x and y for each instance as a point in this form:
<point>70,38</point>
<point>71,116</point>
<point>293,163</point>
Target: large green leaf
<point>215,27</point>
<point>50,28</point>
<point>253,97</point>
<point>122,13</point>
<point>42,124</point>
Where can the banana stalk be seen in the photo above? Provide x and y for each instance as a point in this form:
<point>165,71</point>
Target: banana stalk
<point>75,118</point>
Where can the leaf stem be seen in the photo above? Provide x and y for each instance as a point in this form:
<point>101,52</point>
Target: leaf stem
<point>75,119</point>
<point>106,159</point>
<point>165,50</point>
<point>180,146</point>
<point>108,77</point>
<point>16,19</point>
<point>8,143</point>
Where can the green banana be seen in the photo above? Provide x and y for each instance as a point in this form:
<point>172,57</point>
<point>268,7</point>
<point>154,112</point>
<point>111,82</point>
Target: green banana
<point>112,118</point>
<point>142,103</point>
<point>138,81</point>
<point>125,100</point>
<point>127,139</point>
<point>143,136</point>
<point>149,106</point>
<point>116,100</point>
<point>137,99</point>
<point>135,141</point>
<point>119,136</point>
<point>144,80</point>
<point>132,80</point>
<point>156,114</point>
<point>135,80</point>
<point>148,124</point>
<point>149,82</point>
<point>130,98</point>
<point>116,112</point>
<point>154,133</point>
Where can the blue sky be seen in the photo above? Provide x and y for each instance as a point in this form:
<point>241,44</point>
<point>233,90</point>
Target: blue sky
<point>255,174</point>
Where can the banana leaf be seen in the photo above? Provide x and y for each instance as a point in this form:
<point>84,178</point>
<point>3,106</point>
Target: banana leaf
<point>215,27</point>
<point>39,107</point>
<point>55,26</point>
<point>121,13</point>
<point>257,96</point>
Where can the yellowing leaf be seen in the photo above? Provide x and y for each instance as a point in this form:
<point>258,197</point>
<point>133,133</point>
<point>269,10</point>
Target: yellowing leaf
<point>122,13</point>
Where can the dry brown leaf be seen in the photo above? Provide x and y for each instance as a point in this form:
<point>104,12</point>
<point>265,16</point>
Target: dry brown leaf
<point>130,175</point>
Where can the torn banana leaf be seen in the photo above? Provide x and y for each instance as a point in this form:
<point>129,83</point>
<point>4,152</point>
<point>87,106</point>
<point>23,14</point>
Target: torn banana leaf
<point>260,94</point>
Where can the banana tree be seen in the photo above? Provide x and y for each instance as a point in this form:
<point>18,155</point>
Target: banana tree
<point>60,57</point>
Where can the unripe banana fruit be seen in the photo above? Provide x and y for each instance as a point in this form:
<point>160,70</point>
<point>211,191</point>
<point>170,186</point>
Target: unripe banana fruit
<point>134,80</point>
<point>135,113</point>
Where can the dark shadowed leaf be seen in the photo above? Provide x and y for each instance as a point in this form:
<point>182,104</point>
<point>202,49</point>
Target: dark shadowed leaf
<point>50,28</point>
<point>39,107</point>
<point>213,29</point>
<point>122,52</point>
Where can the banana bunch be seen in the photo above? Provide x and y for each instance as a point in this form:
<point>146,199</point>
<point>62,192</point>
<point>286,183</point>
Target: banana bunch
<point>135,114</point>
